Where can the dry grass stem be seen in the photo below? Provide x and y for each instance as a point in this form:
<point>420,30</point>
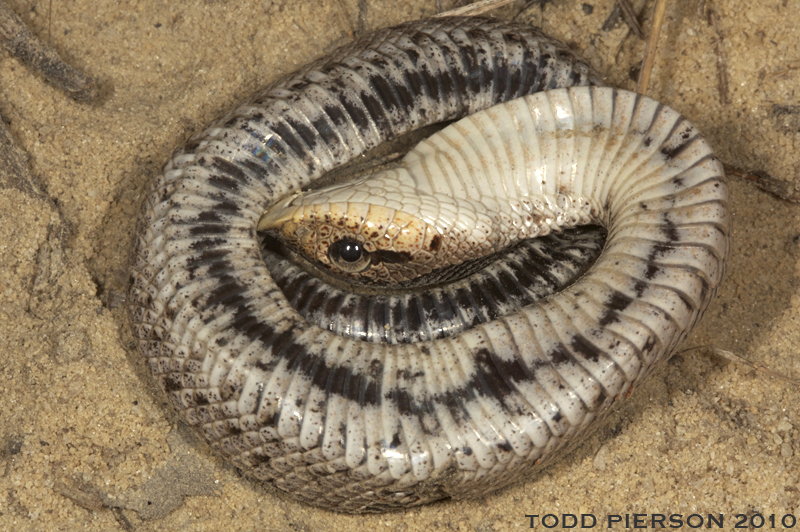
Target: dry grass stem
<point>612,19</point>
<point>630,17</point>
<point>733,357</point>
<point>701,9</point>
<point>650,48</point>
<point>341,14</point>
<point>21,43</point>
<point>784,72</point>
<point>722,69</point>
<point>478,8</point>
<point>784,190</point>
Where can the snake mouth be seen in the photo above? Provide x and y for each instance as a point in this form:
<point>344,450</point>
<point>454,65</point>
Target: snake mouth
<point>441,304</point>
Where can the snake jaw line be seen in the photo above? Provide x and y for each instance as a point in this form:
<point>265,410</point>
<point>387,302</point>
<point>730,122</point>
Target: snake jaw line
<point>402,246</point>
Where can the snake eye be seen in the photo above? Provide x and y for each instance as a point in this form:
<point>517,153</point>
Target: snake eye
<point>349,256</point>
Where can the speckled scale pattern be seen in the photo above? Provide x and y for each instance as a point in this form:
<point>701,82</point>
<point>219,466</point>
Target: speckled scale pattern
<point>511,280</point>
<point>365,427</point>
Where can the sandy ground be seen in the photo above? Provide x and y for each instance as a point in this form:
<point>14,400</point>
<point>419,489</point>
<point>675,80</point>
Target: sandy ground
<point>81,425</point>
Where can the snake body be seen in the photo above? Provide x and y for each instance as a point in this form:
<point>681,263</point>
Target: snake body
<point>527,273</point>
<point>367,413</point>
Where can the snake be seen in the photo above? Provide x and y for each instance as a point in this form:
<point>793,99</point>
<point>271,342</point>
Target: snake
<point>445,324</point>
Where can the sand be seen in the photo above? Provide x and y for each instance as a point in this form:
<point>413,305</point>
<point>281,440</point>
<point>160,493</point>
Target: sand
<point>82,428</point>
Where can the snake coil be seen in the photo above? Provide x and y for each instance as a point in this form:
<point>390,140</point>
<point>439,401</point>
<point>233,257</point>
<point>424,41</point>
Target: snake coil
<point>364,403</point>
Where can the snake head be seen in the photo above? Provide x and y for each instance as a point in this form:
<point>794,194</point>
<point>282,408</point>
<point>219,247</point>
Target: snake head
<point>362,242</point>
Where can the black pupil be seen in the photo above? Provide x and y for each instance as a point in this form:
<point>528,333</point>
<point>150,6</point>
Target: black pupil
<point>349,250</point>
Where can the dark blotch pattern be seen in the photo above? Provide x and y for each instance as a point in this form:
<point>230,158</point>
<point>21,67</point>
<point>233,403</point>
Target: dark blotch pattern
<point>246,369</point>
<point>514,279</point>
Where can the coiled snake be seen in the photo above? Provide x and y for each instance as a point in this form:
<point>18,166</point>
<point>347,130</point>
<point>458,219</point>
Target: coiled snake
<point>362,400</point>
